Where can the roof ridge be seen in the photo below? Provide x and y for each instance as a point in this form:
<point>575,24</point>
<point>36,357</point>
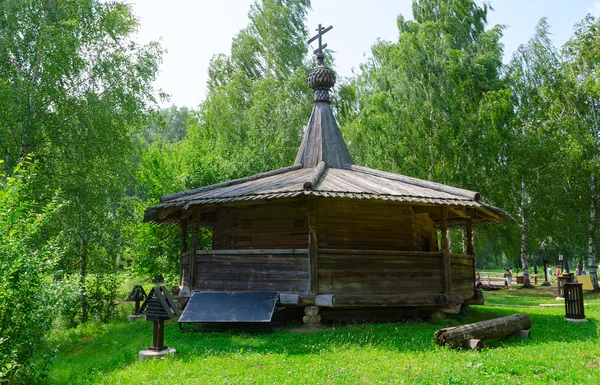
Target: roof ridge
<point>415,181</point>
<point>231,182</point>
<point>316,175</point>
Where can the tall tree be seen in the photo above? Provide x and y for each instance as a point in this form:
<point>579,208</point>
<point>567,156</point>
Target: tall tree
<point>251,121</point>
<point>424,92</point>
<point>416,108</point>
<point>74,90</point>
<point>532,76</point>
<point>257,101</point>
<point>582,67</point>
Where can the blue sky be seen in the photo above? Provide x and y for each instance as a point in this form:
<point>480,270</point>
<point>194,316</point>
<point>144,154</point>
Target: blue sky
<point>193,31</point>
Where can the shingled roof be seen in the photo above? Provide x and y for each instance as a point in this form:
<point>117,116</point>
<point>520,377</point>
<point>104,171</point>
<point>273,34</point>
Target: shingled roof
<point>324,168</point>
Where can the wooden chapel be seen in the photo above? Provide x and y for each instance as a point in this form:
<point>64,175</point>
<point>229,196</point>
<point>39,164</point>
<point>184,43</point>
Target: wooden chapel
<point>327,232</point>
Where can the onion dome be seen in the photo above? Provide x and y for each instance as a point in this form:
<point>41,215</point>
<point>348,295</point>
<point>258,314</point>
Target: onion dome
<point>321,79</point>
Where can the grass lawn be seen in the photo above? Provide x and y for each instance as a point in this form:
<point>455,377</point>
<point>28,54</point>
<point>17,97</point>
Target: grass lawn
<point>398,353</point>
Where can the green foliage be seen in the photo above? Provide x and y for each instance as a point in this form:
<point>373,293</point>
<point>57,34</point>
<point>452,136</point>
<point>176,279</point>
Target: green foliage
<point>75,92</point>
<point>257,102</point>
<point>424,91</point>
<point>28,299</point>
<point>582,102</point>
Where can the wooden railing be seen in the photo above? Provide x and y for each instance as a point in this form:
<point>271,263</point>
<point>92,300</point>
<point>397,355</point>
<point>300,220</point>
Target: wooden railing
<point>284,270</point>
<point>252,252</point>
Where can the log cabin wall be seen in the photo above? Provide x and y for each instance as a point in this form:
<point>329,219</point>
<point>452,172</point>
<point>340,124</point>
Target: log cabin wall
<point>379,272</point>
<point>253,270</point>
<point>266,226</point>
<point>376,248</point>
<point>373,226</point>
<point>424,233</point>
<point>463,275</point>
<point>256,248</point>
<point>355,224</point>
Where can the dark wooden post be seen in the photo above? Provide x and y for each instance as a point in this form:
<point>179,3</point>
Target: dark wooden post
<point>195,227</point>
<point>158,335</point>
<point>182,251</point>
<point>445,251</point>
<point>312,245</point>
<point>470,246</point>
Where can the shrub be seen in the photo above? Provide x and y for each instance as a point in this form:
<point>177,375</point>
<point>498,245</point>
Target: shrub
<point>29,295</point>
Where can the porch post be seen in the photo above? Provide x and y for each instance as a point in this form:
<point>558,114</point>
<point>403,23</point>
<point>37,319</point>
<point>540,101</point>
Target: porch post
<point>195,227</point>
<point>312,245</point>
<point>470,246</point>
<point>183,249</point>
<point>445,251</point>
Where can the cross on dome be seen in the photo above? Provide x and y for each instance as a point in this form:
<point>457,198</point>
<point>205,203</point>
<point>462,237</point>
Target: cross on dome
<point>319,51</point>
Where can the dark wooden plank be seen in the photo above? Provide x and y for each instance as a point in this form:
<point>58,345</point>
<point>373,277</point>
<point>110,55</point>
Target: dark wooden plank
<point>332,251</point>
<point>391,300</point>
<point>252,252</point>
<point>283,285</point>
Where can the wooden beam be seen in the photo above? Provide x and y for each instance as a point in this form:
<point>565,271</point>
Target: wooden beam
<point>459,211</point>
<point>390,300</point>
<point>445,252</point>
<point>381,252</point>
<point>444,227</point>
<point>470,247</point>
<point>312,245</point>
<point>469,234</point>
<point>251,251</point>
<point>182,250</point>
<point>195,243</point>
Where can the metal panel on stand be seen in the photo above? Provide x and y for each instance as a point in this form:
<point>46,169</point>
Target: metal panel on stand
<point>234,307</point>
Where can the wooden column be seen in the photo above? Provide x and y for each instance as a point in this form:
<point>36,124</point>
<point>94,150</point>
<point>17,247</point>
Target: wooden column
<point>183,224</point>
<point>195,228</point>
<point>470,247</point>
<point>312,245</point>
<point>445,251</point>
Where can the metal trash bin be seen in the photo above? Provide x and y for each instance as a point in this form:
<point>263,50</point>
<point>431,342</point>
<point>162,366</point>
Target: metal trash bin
<point>573,293</point>
<point>520,279</point>
<point>561,281</point>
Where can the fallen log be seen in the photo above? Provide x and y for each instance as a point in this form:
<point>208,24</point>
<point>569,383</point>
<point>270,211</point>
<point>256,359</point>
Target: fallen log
<point>459,336</point>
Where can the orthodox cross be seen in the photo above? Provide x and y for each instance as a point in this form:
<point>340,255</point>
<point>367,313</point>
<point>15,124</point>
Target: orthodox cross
<point>319,51</point>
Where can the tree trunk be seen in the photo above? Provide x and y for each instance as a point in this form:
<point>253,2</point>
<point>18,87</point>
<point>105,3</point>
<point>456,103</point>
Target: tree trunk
<point>458,336</point>
<point>82,279</point>
<point>524,227</point>
<point>592,235</point>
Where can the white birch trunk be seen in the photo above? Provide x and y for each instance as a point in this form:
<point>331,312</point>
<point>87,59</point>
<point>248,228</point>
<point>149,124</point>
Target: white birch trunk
<point>524,226</point>
<point>592,235</point>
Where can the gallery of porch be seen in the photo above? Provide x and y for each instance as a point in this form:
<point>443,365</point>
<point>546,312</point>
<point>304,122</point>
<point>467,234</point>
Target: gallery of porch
<point>333,252</point>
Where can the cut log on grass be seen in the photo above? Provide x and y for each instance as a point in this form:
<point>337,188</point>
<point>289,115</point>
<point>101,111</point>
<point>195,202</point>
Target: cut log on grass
<point>473,344</point>
<point>458,336</point>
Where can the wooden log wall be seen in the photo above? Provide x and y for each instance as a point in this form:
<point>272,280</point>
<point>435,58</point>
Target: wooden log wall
<point>267,226</point>
<point>344,271</point>
<point>424,233</point>
<point>352,224</point>
<point>463,275</point>
<point>253,270</point>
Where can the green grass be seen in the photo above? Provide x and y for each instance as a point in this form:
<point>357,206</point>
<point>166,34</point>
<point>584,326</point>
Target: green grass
<point>396,353</point>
